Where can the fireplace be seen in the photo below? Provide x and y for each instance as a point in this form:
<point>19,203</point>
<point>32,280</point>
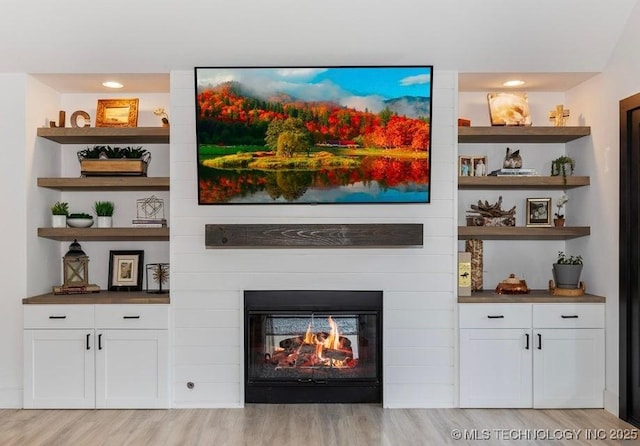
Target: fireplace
<point>313,346</point>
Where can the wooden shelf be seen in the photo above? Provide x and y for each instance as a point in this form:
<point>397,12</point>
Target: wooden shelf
<point>522,182</point>
<point>103,297</point>
<point>534,296</point>
<point>520,134</point>
<point>106,135</point>
<point>100,183</point>
<point>521,232</point>
<point>105,234</point>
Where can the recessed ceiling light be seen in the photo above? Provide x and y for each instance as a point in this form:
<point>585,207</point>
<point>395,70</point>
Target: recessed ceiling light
<point>513,83</point>
<point>112,84</point>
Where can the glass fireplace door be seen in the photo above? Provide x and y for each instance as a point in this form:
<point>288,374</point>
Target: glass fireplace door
<point>312,346</point>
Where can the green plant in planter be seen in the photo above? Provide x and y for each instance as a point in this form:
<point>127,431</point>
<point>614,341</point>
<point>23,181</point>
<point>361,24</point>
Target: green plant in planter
<point>60,208</point>
<point>559,167</point>
<point>567,270</point>
<point>563,259</point>
<point>104,208</point>
<point>108,152</point>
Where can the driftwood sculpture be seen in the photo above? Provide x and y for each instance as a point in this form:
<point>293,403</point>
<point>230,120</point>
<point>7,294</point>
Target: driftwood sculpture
<point>485,214</point>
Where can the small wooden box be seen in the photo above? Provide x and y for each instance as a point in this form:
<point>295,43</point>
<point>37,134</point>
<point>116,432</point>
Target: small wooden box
<point>462,122</point>
<point>98,167</point>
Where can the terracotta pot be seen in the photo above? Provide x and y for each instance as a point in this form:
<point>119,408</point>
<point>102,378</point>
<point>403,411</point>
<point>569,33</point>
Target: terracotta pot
<point>558,222</point>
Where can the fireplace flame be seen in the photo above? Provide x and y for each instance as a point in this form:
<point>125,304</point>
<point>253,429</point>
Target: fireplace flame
<point>333,340</point>
<point>315,349</point>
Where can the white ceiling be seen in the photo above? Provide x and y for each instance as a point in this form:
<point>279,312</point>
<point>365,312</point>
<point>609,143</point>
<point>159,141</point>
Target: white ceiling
<point>562,41</point>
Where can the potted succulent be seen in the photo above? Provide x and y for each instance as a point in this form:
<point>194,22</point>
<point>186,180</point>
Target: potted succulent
<point>107,160</point>
<point>567,270</point>
<point>564,166</point>
<point>79,220</point>
<point>104,211</point>
<point>59,212</point>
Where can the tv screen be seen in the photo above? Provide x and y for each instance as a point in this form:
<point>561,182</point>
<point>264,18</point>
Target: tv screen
<point>324,135</point>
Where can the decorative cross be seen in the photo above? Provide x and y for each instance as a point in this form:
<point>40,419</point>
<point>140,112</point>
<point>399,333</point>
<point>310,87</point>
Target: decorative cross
<point>559,115</point>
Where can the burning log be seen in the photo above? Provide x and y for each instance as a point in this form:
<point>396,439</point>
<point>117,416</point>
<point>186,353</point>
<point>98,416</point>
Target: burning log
<point>338,355</point>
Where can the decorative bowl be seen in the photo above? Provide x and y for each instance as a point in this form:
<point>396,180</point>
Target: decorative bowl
<point>512,285</point>
<point>80,222</point>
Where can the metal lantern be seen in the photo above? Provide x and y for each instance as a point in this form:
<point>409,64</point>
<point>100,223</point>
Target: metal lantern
<point>75,267</point>
<point>157,273</point>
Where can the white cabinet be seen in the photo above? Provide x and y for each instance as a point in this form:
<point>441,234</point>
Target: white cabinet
<point>532,355</point>
<point>118,359</point>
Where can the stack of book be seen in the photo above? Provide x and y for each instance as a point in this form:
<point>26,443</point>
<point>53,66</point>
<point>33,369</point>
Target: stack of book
<point>149,222</point>
<point>521,172</point>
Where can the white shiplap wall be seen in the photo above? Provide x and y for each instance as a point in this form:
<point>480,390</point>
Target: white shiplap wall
<point>418,283</point>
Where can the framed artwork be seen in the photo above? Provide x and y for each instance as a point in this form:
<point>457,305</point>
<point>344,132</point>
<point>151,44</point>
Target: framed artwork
<point>509,108</point>
<point>117,113</point>
<point>479,165</point>
<point>465,166</point>
<point>125,270</point>
<point>538,212</point>
<point>313,135</point>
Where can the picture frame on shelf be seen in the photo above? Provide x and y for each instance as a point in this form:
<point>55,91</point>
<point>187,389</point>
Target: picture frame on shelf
<point>509,108</point>
<point>465,166</point>
<point>125,270</point>
<point>479,166</point>
<point>117,113</point>
<point>538,212</point>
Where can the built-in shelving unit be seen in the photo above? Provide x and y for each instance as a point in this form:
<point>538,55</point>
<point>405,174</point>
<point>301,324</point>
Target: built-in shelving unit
<point>102,297</point>
<point>522,182</point>
<point>105,234</point>
<point>521,232</point>
<point>106,135</point>
<point>534,296</point>
<point>521,134</point>
<point>100,183</point>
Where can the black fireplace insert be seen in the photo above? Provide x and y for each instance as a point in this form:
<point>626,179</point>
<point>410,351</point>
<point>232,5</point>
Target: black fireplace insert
<point>313,346</point>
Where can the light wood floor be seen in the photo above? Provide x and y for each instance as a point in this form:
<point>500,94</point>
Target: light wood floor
<point>308,425</point>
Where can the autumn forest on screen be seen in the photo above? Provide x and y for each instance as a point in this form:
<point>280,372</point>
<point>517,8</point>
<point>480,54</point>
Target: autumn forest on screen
<point>254,148</point>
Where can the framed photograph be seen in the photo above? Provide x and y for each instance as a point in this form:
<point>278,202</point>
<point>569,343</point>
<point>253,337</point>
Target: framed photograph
<point>538,212</point>
<point>125,270</point>
<point>465,166</point>
<point>479,166</point>
<point>117,113</point>
<point>340,135</point>
<point>509,108</point>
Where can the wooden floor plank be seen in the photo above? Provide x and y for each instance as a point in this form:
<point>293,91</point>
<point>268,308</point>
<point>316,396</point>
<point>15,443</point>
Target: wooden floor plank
<point>309,425</point>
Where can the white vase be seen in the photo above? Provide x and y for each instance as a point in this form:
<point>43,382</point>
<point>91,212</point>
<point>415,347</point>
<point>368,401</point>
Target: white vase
<point>59,221</point>
<point>105,222</point>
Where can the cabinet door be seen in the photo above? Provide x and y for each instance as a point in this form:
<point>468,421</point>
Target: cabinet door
<point>132,369</point>
<point>59,369</point>
<point>568,368</point>
<point>495,368</point>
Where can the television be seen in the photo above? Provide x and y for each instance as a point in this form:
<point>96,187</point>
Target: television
<point>313,135</point>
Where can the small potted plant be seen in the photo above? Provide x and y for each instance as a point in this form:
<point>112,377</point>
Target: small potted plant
<point>80,220</point>
<point>559,216</point>
<point>567,270</point>
<point>163,116</point>
<point>564,166</point>
<point>59,212</point>
<point>104,211</point>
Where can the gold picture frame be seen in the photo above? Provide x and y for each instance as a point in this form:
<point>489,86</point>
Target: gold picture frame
<point>538,212</point>
<point>117,113</point>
